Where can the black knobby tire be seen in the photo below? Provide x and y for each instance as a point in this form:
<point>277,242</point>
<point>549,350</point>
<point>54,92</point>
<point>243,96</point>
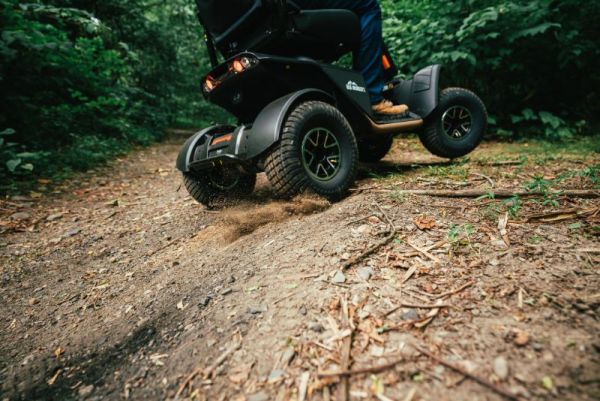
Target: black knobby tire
<point>204,190</point>
<point>441,138</point>
<point>374,148</point>
<point>285,166</point>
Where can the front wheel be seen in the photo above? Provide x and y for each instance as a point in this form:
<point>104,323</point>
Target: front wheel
<point>456,126</point>
<point>210,186</point>
<point>317,150</point>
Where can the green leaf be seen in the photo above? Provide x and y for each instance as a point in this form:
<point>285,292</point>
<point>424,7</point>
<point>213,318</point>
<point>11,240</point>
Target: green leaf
<point>536,30</point>
<point>13,164</point>
<point>27,166</point>
<point>8,131</point>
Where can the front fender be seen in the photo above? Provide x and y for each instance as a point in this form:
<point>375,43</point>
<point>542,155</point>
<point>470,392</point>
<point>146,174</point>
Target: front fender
<point>187,151</point>
<point>422,93</point>
<point>266,129</point>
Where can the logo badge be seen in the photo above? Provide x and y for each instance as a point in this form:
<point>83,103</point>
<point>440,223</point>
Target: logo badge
<point>353,86</point>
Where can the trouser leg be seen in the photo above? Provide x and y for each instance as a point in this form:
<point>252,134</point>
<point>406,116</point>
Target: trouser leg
<point>367,59</point>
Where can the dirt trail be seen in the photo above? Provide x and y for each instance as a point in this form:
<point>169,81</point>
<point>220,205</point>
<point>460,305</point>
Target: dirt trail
<point>119,286</point>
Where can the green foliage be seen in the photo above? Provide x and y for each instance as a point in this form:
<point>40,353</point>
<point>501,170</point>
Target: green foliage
<point>534,62</point>
<point>83,81</point>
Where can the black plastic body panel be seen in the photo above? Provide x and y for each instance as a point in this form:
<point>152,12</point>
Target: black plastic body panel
<point>247,141</point>
<point>245,95</point>
<point>421,93</point>
<point>200,138</point>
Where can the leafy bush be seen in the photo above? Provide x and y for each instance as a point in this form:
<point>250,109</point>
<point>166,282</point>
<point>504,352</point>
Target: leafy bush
<point>521,56</point>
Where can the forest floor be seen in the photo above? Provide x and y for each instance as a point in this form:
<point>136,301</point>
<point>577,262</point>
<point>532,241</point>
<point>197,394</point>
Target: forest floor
<point>116,285</point>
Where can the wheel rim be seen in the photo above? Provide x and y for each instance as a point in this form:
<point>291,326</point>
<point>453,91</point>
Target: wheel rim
<point>457,122</point>
<point>321,154</point>
<point>224,178</point>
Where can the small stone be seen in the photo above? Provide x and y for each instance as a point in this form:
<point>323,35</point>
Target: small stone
<point>316,326</point>
<point>20,216</point>
<point>409,314</point>
<point>287,356</point>
<point>231,279</point>
<point>345,256</point>
<point>521,338</point>
<point>339,277</point>
<point>204,301</point>
<point>303,310</point>
<point>260,396</point>
<point>84,391</point>
<point>253,310</point>
<point>365,273</point>
<point>226,291</point>
<point>275,374</point>
<point>72,232</point>
<point>55,216</point>
<point>33,301</point>
<point>501,368</point>
<point>537,346</point>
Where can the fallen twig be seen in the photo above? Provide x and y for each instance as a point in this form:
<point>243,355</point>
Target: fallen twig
<point>456,291</point>
<point>500,163</point>
<point>485,177</point>
<point>424,252</point>
<point>343,390</point>
<point>372,249</point>
<point>207,373</point>
<point>416,306</point>
<point>499,193</point>
<point>360,371</point>
<point>564,214</point>
<point>482,381</point>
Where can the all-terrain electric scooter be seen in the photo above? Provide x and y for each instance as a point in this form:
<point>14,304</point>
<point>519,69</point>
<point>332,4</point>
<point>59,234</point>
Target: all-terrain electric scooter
<point>304,121</point>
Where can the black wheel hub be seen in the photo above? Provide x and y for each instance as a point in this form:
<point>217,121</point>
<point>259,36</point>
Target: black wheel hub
<point>457,122</point>
<point>321,154</point>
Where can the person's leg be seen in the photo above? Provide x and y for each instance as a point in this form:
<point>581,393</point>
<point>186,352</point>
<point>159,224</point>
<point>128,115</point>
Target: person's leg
<point>367,58</point>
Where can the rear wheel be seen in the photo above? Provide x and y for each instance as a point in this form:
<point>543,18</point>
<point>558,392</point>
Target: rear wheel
<point>456,126</point>
<point>317,150</point>
<point>372,149</point>
<point>210,186</point>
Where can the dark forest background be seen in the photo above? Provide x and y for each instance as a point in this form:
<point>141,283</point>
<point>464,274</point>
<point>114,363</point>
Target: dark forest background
<point>83,81</point>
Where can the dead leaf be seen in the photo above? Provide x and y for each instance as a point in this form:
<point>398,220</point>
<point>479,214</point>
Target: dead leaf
<point>521,338</point>
<point>58,352</point>
<point>502,222</point>
<point>425,223</point>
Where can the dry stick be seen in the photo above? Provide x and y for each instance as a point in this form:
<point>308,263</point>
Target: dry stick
<point>343,390</point>
<point>471,376</point>
<point>416,306</point>
<point>452,292</point>
<point>485,177</point>
<point>578,212</point>
<point>499,193</point>
<point>209,371</point>
<point>360,371</point>
<point>424,252</point>
<point>372,249</point>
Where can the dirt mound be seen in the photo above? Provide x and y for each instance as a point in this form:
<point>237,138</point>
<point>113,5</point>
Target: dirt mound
<point>244,219</point>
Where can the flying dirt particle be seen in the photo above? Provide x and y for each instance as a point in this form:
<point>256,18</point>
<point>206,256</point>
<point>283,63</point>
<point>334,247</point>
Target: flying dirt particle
<point>243,220</point>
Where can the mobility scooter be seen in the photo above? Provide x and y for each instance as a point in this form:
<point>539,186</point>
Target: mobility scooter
<point>301,118</point>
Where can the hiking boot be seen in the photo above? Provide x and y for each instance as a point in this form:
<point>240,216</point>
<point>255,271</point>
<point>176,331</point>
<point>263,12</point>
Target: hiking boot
<point>387,108</point>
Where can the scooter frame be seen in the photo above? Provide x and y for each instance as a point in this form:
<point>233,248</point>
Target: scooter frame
<point>247,94</point>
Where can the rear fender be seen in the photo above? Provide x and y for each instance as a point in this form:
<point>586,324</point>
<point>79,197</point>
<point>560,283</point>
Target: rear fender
<point>246,142</point>
<point>186,153</point>
<point>266,129</point>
